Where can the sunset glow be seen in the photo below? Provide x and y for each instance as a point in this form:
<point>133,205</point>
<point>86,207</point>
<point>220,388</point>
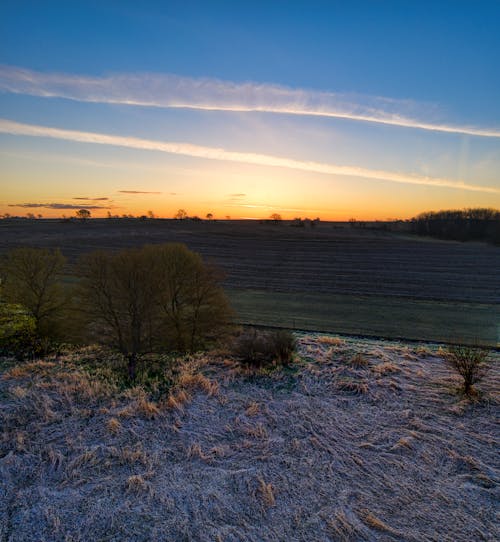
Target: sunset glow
<point>209,137</point>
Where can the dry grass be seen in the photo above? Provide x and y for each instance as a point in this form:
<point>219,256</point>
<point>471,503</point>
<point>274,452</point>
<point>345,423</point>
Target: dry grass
<point>330,451</point>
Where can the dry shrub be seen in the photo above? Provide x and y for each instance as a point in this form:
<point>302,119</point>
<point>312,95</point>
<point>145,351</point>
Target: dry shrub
<point>470,363</point>
<point>259,348</point>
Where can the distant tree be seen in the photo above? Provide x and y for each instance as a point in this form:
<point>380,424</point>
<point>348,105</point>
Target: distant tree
<point>151,214</point>
<point>139,300</point>
<point>32,279</point>
<point>83,214</point>
<point>275,217</point>
<point>181,214</point>
<point>109,215</point>
<point>210,216</point>
<point>39,216</point>
<point>30,216</point>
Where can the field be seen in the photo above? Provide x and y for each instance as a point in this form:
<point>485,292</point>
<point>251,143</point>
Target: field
<point>328,278</point>
<point>360,440</point>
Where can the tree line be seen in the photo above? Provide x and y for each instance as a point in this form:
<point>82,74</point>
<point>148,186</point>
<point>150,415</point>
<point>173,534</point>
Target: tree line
<point>139,300</point>
<point>480,224</point>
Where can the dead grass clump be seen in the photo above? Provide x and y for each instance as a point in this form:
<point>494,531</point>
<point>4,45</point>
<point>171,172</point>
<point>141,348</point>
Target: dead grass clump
<point>375,523</point>
<point>28,369</point>
<point>253,409</point>
<point>176,400</point>
<point>341,528</point>
<point>359,361</point>
<point>136,484</point>
<point>113,426</point>
<point>200,381</point>
<point>386,368</point>
<point>267,493</point>
<point>330,341</point>
<point>351,385</point>
<point>470,363</point>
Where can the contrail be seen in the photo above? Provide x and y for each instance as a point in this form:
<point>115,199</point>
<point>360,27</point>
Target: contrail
<point>172,91</point>
<point>214,153</point>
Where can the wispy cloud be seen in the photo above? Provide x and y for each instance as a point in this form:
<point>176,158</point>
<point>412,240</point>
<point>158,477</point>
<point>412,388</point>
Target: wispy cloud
<point>136,192</point>
<point>172,91</point>
<point>92,199</point>
<point>55,206</point>
<point>213,153</point>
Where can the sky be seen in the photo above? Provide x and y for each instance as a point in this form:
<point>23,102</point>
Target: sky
<point>368,110</point>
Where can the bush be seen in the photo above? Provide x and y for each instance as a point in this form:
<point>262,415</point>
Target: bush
<point>470,363</point>
<point>17,331</point>
<point>259,348</point>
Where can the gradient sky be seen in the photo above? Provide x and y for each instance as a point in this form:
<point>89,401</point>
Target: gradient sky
<point>371,110</point>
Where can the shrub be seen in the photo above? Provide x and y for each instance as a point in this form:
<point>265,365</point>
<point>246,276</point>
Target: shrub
<point>283,344</point>
<point>17,331</point>
<point>470,363</point>
<point>259,348</point>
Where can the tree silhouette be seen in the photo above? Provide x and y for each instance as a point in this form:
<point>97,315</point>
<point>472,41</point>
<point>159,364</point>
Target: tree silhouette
<point>83,214</point>
<point>181,214</point>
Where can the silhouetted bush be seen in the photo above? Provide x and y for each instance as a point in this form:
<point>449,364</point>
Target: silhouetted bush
<point>260,348</point>
<point>470,363</point>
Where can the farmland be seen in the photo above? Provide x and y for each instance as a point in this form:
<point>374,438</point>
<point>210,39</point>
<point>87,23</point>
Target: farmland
<point>359,440</point>
<point>328,278</point>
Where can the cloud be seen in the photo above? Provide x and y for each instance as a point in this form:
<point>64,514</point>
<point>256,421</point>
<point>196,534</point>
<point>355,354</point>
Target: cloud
<point>136,192</point>
<point>213,153</point>
<point>237,195</point>
<point>56,206</point>
<point>173,91</point>
<point>93,199</point>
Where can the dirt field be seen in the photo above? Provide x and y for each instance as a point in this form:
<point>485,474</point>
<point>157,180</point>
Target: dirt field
<point>341,447</point>
<point>306,277</point>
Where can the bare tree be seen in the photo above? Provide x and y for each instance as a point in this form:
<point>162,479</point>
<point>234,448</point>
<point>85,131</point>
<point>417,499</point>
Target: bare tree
<point>181,214</point>
<point>83,214</point>
<point>32,279</point>
<point>139,300</point>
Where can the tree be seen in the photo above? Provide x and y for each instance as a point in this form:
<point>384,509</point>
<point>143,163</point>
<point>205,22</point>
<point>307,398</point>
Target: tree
<point>210,216</point>
<point>83,214</point>
<point>151,214</point>
<point>275,217</point>
<point>181,214</point>
<point>140,300</point>
<point>32,280</point>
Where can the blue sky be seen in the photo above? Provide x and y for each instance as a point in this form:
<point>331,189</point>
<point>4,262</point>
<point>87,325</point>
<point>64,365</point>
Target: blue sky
<point>431,64</point>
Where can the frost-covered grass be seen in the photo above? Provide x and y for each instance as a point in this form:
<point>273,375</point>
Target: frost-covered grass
<point>360,440</point>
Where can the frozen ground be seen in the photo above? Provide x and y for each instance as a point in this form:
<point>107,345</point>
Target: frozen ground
<point>375,446</point>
